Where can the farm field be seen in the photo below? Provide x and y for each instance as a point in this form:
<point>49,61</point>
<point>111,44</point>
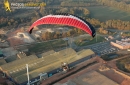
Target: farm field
<point>104,13</point>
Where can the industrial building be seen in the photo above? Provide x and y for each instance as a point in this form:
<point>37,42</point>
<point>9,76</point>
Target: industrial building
<point>1,54</point>
<point>47,65</point>
<point>9,51</point>
<point>2,62</point>
<point>90,78</point>
<point>123,44</point>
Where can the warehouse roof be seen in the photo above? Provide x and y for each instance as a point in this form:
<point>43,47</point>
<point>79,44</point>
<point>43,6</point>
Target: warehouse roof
<point>85,52</point>
<point>1,52</point>
<point>21,55</point>
<point>40,62</point>
<point>11,58</point>
<point>16,63</point>
<point>47,53</point>
<point>2,61</point>
<point>48,63</point>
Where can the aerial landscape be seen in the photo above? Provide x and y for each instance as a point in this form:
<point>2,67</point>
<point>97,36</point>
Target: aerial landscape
<point>65,42</point>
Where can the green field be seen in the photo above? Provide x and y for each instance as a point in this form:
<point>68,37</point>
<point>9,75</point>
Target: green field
<point>89,41</point>
<point>46,46</point>
<point>104,13</point>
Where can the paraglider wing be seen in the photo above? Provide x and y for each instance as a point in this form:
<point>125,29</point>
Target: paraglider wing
<point>67,19</point>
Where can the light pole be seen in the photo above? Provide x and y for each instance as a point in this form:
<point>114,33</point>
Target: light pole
<point>96,37</point>
<point>27,75</point>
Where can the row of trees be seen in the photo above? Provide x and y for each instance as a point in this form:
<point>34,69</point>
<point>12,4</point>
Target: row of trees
<point>12,21</point>
<point>126,1</point>
<point>79,3</point>
<point>8,21</point>
<point>80,11</point>
<point>115,24</point>
<point>58,34</point>
<point>113,3</point>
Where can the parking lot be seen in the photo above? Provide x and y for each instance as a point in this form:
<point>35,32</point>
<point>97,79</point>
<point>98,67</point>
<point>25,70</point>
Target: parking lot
<point>102,48</point>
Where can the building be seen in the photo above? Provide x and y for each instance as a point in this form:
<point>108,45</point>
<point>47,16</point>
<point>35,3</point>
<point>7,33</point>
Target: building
<point>11,58</point>
<point>2,62</point>
<point>25,37</point>
<point>9,51</point>
<point>90,78</point>
<point>123,44</point>
<point>21,55</point>
<point>37,34</point>
<point>4,44</point>
<point>19,62</point>
<point>46,53</point>
<point>2,31</point>
<point>45,66</point>
<point>1,54</point>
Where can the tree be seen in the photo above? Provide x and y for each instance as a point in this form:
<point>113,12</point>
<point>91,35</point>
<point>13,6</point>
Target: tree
<point>64,34</point>
<point>43,35</point>
<point>68,34</point>
<point>9,23</point>
<point>58,34</point>
<point>55,36</point>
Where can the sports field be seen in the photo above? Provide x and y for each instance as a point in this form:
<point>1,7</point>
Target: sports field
<point>104,13</point>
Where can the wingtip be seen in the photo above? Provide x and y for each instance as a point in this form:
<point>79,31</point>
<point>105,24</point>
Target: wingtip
<point>30,30</point>
<point>93,35</point>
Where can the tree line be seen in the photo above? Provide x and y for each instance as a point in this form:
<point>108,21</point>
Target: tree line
<point>80,11</point>
<point>58,34</point>
<point>5,20</point>
<point>81,3</point>
<point>83,12</point>
<point>113,3</point>
<point>12,21</point>
<point>114,24</point>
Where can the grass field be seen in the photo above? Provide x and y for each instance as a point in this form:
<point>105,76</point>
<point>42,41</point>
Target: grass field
<point>46,46</point>
<point>104,13</point>
<point>89,41</point>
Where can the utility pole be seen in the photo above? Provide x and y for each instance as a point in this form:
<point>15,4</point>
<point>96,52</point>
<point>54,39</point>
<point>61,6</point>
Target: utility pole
<point>27,75</point>
<point>96,37</point>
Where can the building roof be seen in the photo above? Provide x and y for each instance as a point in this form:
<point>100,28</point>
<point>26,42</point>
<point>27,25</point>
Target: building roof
<point>122,43</point>
<point>46,53</point>
<point>21,55</point>
<point>1,52</point>
<point>11,58</point>
<point>90,78</point>
<point>2,61</point>
<point>9,51</point>
<point>40,62</point>
<point>17,63</point>
<point>45,64</point>
<point>85,53</point>
<point>4,44</point>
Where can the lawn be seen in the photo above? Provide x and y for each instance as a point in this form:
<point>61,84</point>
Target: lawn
<point>90,40</point>
<point>104,13</point>
<point>46,46</point>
